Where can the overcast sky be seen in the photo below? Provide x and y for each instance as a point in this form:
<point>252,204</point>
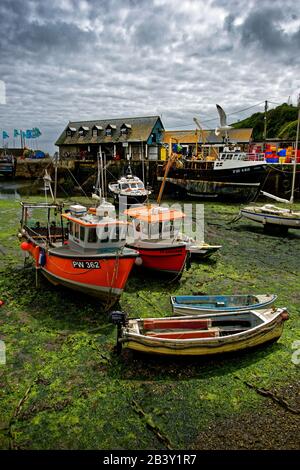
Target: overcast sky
<point>66,60</point>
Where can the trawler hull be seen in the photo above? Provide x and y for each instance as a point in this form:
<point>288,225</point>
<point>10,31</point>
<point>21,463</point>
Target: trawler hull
<point>102,275</point>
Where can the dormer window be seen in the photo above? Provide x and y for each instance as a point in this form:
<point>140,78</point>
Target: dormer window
<point>70,131</point>
<point>83,130</point>
<point>96,131</point>
<point>109,129</point>
<point>125,129</point>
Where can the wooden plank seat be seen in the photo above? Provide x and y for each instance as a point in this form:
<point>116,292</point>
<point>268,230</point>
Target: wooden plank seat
<point>162,323</point>
<point>187,334</point>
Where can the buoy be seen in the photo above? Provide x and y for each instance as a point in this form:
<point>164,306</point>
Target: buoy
<point>138,261</point>
<point>25,246</point>
<point>1,303</point>
<point>42,258</point>
<point>284,315</point>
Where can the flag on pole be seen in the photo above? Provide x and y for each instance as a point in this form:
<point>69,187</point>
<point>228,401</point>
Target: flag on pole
<point>36,132</point>
<point>5,135</point>
<point>28,134</point>
<point>16,133</point>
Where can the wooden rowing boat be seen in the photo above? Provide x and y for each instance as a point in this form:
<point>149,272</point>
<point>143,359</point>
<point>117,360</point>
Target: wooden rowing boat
<point>194,336</point>
<point>202,304</point>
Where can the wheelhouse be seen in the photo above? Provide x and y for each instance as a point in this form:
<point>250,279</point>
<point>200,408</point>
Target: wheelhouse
<point>155,223</point>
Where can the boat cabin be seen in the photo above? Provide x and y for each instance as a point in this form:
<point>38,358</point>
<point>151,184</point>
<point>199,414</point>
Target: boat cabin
<point>155,223</point>
<point>128,184</point>
<point>95,229</point>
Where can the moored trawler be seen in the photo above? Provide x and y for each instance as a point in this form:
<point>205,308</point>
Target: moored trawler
<point>88,255</point>
<point>233,174</point>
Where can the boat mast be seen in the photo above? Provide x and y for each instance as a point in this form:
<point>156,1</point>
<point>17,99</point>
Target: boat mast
<point>296,152</point>
<point>171,159</point>
<point>265,121</point>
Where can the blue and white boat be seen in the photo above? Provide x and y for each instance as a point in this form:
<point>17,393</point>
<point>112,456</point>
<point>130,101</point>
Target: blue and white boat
<point>198,304</point>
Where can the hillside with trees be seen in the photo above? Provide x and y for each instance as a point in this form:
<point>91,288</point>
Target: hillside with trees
<point>281,123</point>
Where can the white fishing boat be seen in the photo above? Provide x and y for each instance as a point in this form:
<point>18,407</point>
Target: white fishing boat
<point>199,250</point>
<point>273,217</point>
<point>129,190</point>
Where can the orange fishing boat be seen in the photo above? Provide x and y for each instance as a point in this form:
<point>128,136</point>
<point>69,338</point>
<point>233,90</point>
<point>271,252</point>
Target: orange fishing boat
<point>85,251</point>
<point>154,236</point>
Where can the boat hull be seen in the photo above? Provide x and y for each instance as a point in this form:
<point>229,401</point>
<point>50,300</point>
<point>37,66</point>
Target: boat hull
<point>262,334</point>
<point>202,252</point>
<point>168,259</point>
<point>264,218</point>
<point>100,276</point>
<point>187,305</point>
<point>126,201</point>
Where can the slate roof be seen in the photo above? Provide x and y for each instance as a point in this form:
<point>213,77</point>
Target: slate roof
<point>141,129</point>
<point>190,136</point>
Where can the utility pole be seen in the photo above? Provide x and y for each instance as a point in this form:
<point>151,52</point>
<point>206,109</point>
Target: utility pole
<point>265,120</point>
<point>296,154</point>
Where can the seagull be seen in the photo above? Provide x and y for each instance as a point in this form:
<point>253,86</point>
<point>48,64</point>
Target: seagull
<point>223,118</point>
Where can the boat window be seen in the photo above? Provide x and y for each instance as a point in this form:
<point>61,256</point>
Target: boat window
<point>156,230</point>
<point>115,234</point>
<point>76,231</point>
<point>140,185</point>
<point>125,186</point>
<point>103,233</point>
<point>92,237</point>
<point>133,185</point>
<point>82,233</point>
<point>168,227</point>
<point>70,228</point>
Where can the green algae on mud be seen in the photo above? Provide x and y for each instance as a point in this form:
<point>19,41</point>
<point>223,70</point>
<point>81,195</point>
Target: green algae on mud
<point>64,388</point>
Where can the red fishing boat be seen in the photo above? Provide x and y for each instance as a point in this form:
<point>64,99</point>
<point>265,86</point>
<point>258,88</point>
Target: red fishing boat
<point>85,251</point>
<point>154,233</point>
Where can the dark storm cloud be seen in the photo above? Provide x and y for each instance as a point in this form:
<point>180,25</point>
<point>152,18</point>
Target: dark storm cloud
<point>85,59</point>
<point>262,27</point>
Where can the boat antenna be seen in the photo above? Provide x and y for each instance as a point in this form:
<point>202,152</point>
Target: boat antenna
<point>296,153</point>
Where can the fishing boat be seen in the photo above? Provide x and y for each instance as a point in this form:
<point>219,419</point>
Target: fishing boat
<point>8,164</point>
<point>154,235</point>
<point>202,250</point>
<point>203,304</point>
<point>194,336</point>
<point>272,217</point>
<point>129,190</point>
<point>198,250</point>
<point>231,173</point>
<point>84,250</point>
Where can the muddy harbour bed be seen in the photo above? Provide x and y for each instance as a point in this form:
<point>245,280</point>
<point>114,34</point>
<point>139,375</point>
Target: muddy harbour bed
<point>63,386</point>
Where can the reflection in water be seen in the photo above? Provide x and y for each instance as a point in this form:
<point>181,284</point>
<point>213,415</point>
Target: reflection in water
<point>15,190</point>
